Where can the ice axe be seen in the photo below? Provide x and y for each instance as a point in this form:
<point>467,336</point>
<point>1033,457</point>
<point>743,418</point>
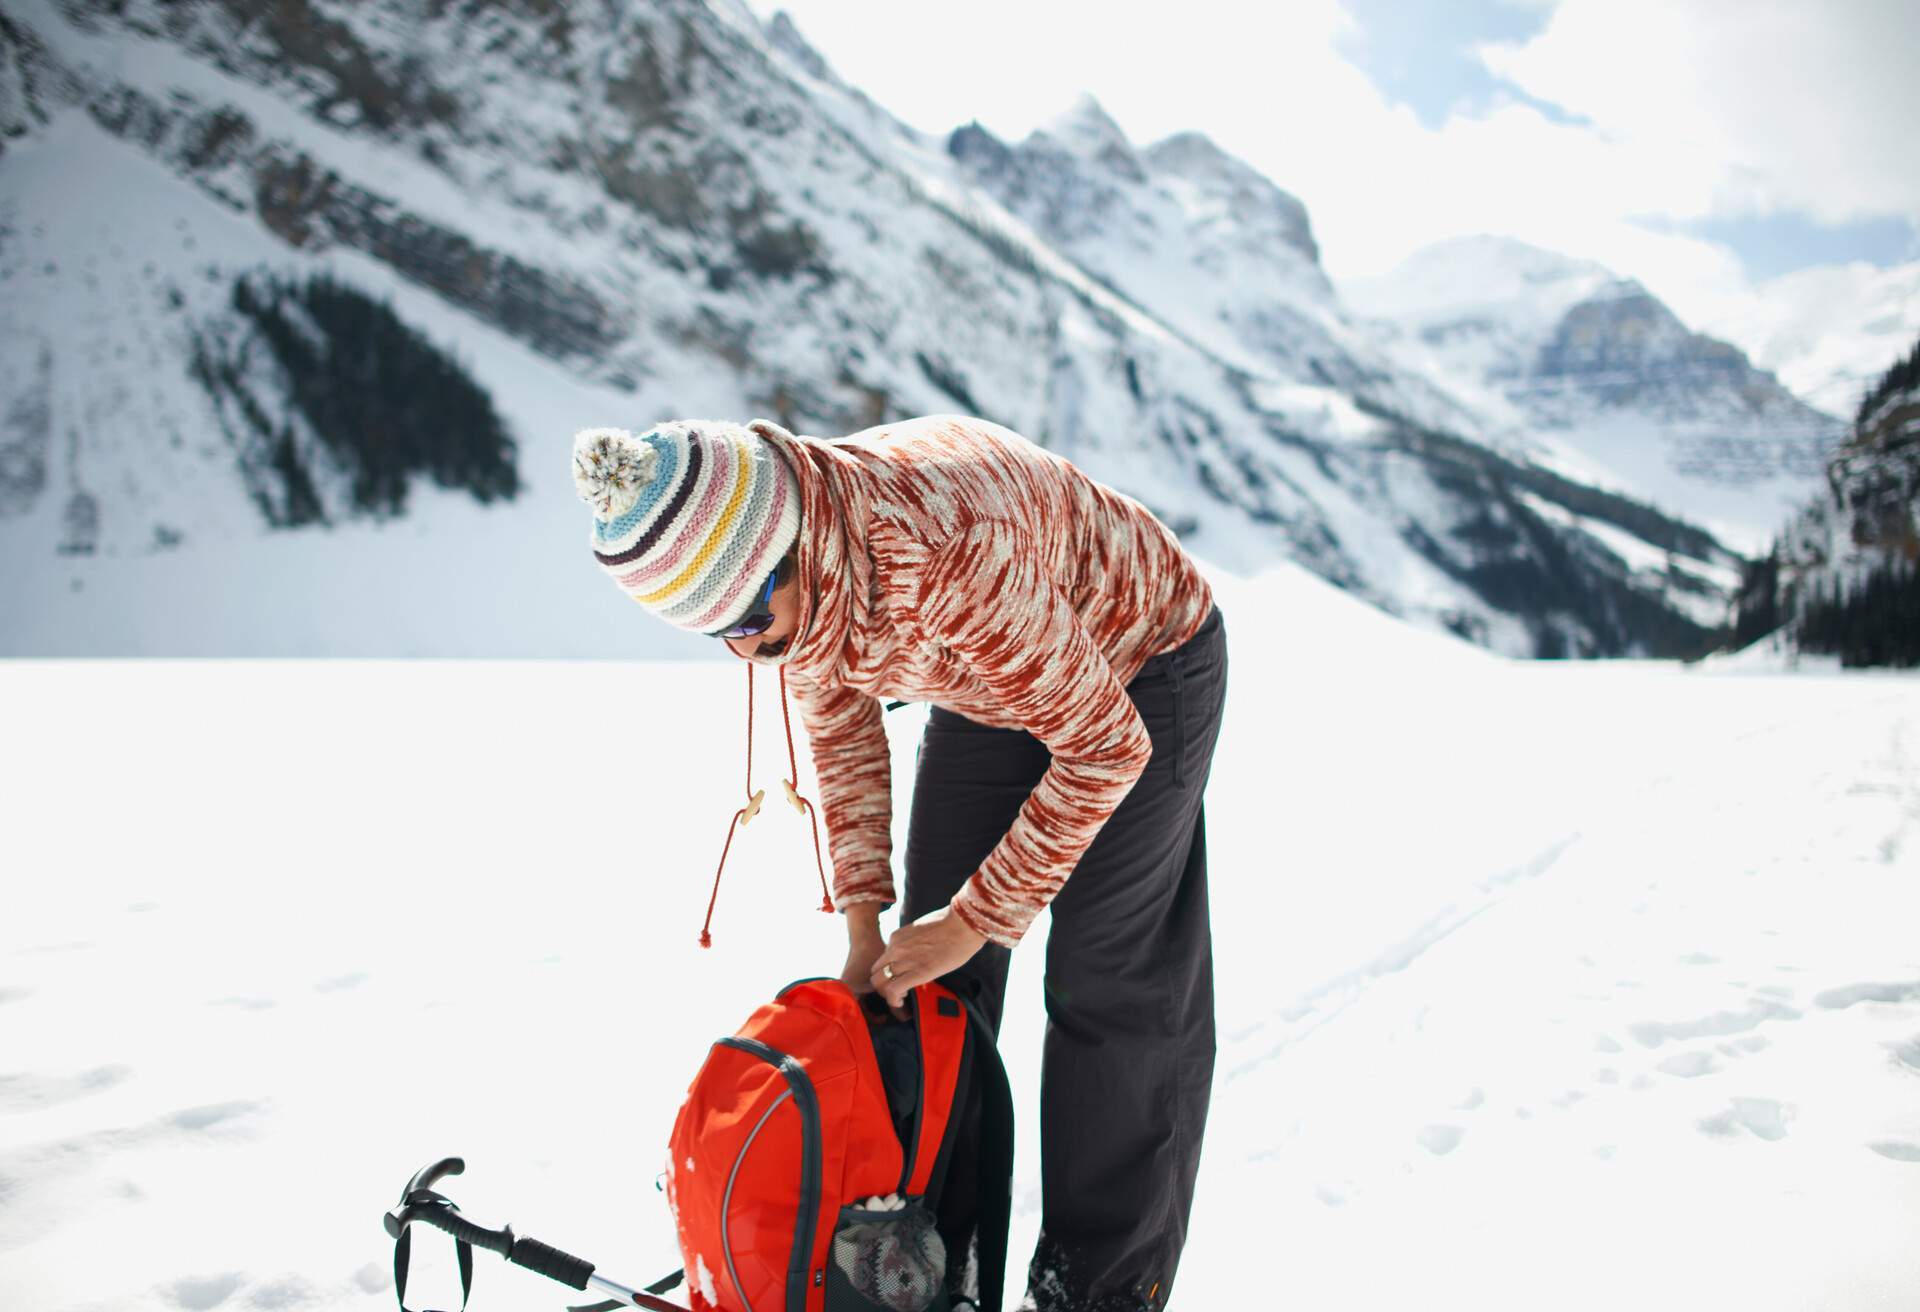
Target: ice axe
<point>420,1202</point>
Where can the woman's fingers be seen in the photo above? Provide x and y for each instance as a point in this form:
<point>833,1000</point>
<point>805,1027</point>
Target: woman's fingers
<point>923,952</point>
<point>894,987</point>
<point>895,962</point>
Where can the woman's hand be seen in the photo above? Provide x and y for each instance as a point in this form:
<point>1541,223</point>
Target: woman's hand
<point>923,951</point>
<point>865,943</point>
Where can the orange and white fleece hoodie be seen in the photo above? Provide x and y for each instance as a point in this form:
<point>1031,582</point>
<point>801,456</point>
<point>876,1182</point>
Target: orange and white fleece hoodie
<point>949,560</point>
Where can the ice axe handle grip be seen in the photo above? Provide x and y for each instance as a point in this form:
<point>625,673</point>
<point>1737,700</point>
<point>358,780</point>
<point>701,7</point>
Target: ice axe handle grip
<point>550,1262</point>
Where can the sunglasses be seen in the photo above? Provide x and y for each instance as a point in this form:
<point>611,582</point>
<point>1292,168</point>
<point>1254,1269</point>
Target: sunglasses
<point>760,617</point>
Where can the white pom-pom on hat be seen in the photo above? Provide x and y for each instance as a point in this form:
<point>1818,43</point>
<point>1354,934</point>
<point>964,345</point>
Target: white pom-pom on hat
<point>611,467</point>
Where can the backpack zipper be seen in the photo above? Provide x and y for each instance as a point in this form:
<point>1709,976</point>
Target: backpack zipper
<point>726,1199</point>
<point>807,1223</point>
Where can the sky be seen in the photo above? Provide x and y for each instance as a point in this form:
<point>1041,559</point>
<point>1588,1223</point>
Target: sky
<point>1702,148</point>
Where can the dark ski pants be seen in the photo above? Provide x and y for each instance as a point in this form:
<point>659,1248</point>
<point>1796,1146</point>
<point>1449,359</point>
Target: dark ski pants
<point>1127,1068</point>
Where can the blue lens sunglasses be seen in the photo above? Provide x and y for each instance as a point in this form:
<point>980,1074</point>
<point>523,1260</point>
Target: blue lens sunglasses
<point>760,617</point>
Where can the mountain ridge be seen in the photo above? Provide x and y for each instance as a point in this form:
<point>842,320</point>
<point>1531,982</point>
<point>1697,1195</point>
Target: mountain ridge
<point>694,218</point>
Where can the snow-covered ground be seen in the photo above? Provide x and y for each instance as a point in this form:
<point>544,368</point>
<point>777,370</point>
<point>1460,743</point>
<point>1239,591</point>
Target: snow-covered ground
<point>1579,986</point>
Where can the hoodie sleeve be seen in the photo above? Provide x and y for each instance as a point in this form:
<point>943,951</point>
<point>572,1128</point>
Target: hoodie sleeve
<point>855,769</point>
<point>984,596</point>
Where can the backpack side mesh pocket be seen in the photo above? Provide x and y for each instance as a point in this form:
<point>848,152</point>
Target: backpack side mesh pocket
<point>887,1260</point>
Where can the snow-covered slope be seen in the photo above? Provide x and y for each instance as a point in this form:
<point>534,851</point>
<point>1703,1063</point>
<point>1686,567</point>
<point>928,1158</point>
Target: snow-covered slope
<point>1604,379</point>
<point>1570,985</point>
<point>614,214</point>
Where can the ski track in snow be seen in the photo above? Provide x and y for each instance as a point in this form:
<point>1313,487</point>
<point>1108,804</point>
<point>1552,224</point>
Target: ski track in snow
<point>1635,1022</point>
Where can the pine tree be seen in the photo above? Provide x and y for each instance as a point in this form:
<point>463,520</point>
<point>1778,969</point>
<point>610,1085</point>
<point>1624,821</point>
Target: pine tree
<point>380,398</point>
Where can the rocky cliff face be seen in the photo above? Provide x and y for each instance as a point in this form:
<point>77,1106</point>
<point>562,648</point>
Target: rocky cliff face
<point>1844,575</point>
<point>669,204</point>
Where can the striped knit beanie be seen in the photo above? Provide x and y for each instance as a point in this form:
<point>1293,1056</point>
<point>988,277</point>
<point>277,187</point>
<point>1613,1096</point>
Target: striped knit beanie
<point>689,518</point>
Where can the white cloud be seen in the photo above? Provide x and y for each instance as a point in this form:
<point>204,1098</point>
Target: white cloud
<point>1784,104</point>
<point>1829,331</point>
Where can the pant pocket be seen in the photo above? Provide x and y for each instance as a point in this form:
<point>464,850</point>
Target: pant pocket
<point>887,1261</point>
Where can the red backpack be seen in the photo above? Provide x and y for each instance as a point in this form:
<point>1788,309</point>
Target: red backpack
<point>808,1167</point>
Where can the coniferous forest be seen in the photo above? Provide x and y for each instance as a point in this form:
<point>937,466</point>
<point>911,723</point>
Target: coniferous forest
<point>322,385</point>
<point>1903,377</point>
<point>1874,623</point>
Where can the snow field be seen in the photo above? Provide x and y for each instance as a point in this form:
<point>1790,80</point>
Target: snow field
<point>1576,984</point>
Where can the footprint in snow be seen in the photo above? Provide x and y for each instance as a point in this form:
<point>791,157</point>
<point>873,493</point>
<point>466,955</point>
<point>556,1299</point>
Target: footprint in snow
<point>1763,1117</point>
<point>1653,1033</point>
<point>285,1292</point>
<point>214,1115</point>
<point>1699,959</point>
<point>1688,1064</point>
<point>339,982</point>
<point>1870,991</point>
<point>1899,1152</point>
<point>1907,1054</point>
<point>199,1293</point>
<point>1475,1097</point>
<point>1440,1139</point>
<point>23,1091</point>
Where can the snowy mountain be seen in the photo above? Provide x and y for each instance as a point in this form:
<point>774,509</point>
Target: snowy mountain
<point>1203,242</point>
<point>1598,375</point>
<point>620,213</point>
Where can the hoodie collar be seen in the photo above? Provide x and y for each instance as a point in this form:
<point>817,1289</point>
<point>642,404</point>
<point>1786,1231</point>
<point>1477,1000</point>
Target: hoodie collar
<point>834,566</point>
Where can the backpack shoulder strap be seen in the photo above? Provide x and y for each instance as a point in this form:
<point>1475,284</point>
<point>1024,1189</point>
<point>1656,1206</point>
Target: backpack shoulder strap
<point>989,1083</point>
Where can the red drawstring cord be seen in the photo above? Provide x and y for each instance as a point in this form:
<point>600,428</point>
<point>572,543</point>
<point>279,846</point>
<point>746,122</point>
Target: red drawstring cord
<point>740,817</point>
<point>800,803</point>
<point>752,808</point>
